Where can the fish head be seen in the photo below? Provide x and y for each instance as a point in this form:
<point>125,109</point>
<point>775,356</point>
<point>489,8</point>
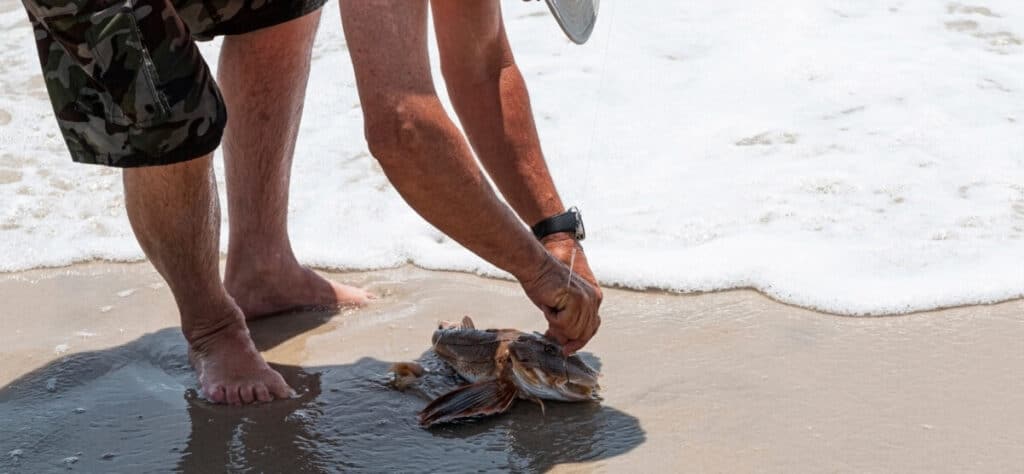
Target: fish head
<point>543,371</point>
<point>473,353</point>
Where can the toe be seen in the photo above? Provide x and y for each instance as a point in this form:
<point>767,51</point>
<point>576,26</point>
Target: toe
<point>215,393</point>
<point>232,393</point>
<point>350,295</point>
<point>280,389</point>
<point>262,394</point>
<point>246,394</point>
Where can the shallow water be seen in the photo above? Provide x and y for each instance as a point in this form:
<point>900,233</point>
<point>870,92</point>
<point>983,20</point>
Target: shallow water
<point>129,409</point>
<point>133,408</point>
<point>717,382</point>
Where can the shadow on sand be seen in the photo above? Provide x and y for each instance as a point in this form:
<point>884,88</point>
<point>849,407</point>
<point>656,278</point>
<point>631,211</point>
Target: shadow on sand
<point>127,409</point>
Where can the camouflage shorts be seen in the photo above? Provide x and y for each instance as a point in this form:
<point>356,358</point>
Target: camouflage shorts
<point>127,83</point>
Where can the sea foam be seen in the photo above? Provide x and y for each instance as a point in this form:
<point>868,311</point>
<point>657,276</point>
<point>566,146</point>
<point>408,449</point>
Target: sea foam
<point>854,157</point>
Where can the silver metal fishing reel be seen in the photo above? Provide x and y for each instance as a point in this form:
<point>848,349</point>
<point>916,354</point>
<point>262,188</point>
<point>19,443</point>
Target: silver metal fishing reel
<point>576,17</point>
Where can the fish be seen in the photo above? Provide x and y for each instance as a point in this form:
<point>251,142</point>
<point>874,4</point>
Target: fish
<point>501,366</point>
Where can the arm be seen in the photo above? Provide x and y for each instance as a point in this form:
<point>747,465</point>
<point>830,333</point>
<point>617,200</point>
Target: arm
<point>427,160</point>
<point>482,78</point>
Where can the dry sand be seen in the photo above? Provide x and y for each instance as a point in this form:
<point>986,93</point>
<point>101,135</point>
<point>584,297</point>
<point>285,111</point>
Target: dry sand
<point>94,378</point>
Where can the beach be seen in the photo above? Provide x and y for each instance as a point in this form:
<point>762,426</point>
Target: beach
<point>94,377</point>
<point>809,217</point>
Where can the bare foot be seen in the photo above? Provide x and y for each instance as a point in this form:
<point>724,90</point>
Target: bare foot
<point>232,371</point>
<point>288,288</point>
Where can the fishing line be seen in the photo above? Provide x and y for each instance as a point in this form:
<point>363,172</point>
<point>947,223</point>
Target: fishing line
<point>572,262</point>
<point>594,114</point>
<point>593,129</point>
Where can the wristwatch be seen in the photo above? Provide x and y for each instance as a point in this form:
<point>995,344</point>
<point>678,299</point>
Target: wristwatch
<point>569,221</point>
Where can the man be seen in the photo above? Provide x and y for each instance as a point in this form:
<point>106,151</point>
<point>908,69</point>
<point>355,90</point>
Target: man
<point>130,90</point>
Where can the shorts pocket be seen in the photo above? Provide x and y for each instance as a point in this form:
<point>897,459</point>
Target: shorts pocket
<point>120,63</point>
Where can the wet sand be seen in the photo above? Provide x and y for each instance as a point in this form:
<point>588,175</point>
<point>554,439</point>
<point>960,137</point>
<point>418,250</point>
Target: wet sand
<point>94,378</point>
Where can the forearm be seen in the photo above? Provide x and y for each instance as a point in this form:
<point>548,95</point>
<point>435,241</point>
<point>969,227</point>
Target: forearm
<point>508,146</point>
<point>434,171</point>
<point>496,116</point>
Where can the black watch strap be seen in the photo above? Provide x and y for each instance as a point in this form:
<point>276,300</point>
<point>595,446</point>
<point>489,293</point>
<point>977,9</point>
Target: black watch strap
<point>569,221</point>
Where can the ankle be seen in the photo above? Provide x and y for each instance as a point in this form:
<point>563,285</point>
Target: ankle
<point>249,263</point>
<point>201,326</point>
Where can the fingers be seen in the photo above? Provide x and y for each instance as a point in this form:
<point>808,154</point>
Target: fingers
<point>573,330</point>
<point>571,310</point>
<point>593,329</point>
<point>572,346</point>
<point>561,325</point>
<point>557,336</point>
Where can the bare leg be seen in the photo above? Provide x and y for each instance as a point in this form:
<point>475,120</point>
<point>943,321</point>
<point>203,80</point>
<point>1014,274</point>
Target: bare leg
<point>263,79</point>
<point>174,213</point>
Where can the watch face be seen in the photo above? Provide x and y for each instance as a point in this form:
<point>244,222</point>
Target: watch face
<point>576,17</point>
<point>581,232</point>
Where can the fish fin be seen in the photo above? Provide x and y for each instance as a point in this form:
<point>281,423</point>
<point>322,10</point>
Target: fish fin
<point>539,402</point>
<point>482,398</point>
<point>467,323</point>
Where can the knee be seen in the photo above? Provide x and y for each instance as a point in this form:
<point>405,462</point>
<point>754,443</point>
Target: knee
<point>404,129</point>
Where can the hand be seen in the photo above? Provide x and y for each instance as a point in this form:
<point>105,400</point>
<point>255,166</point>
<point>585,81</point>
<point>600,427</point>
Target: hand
<point>569,304</point>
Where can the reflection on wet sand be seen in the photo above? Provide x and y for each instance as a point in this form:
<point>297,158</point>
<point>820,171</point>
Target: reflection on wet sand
<point>718,382</point>
<point>131,408</point>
